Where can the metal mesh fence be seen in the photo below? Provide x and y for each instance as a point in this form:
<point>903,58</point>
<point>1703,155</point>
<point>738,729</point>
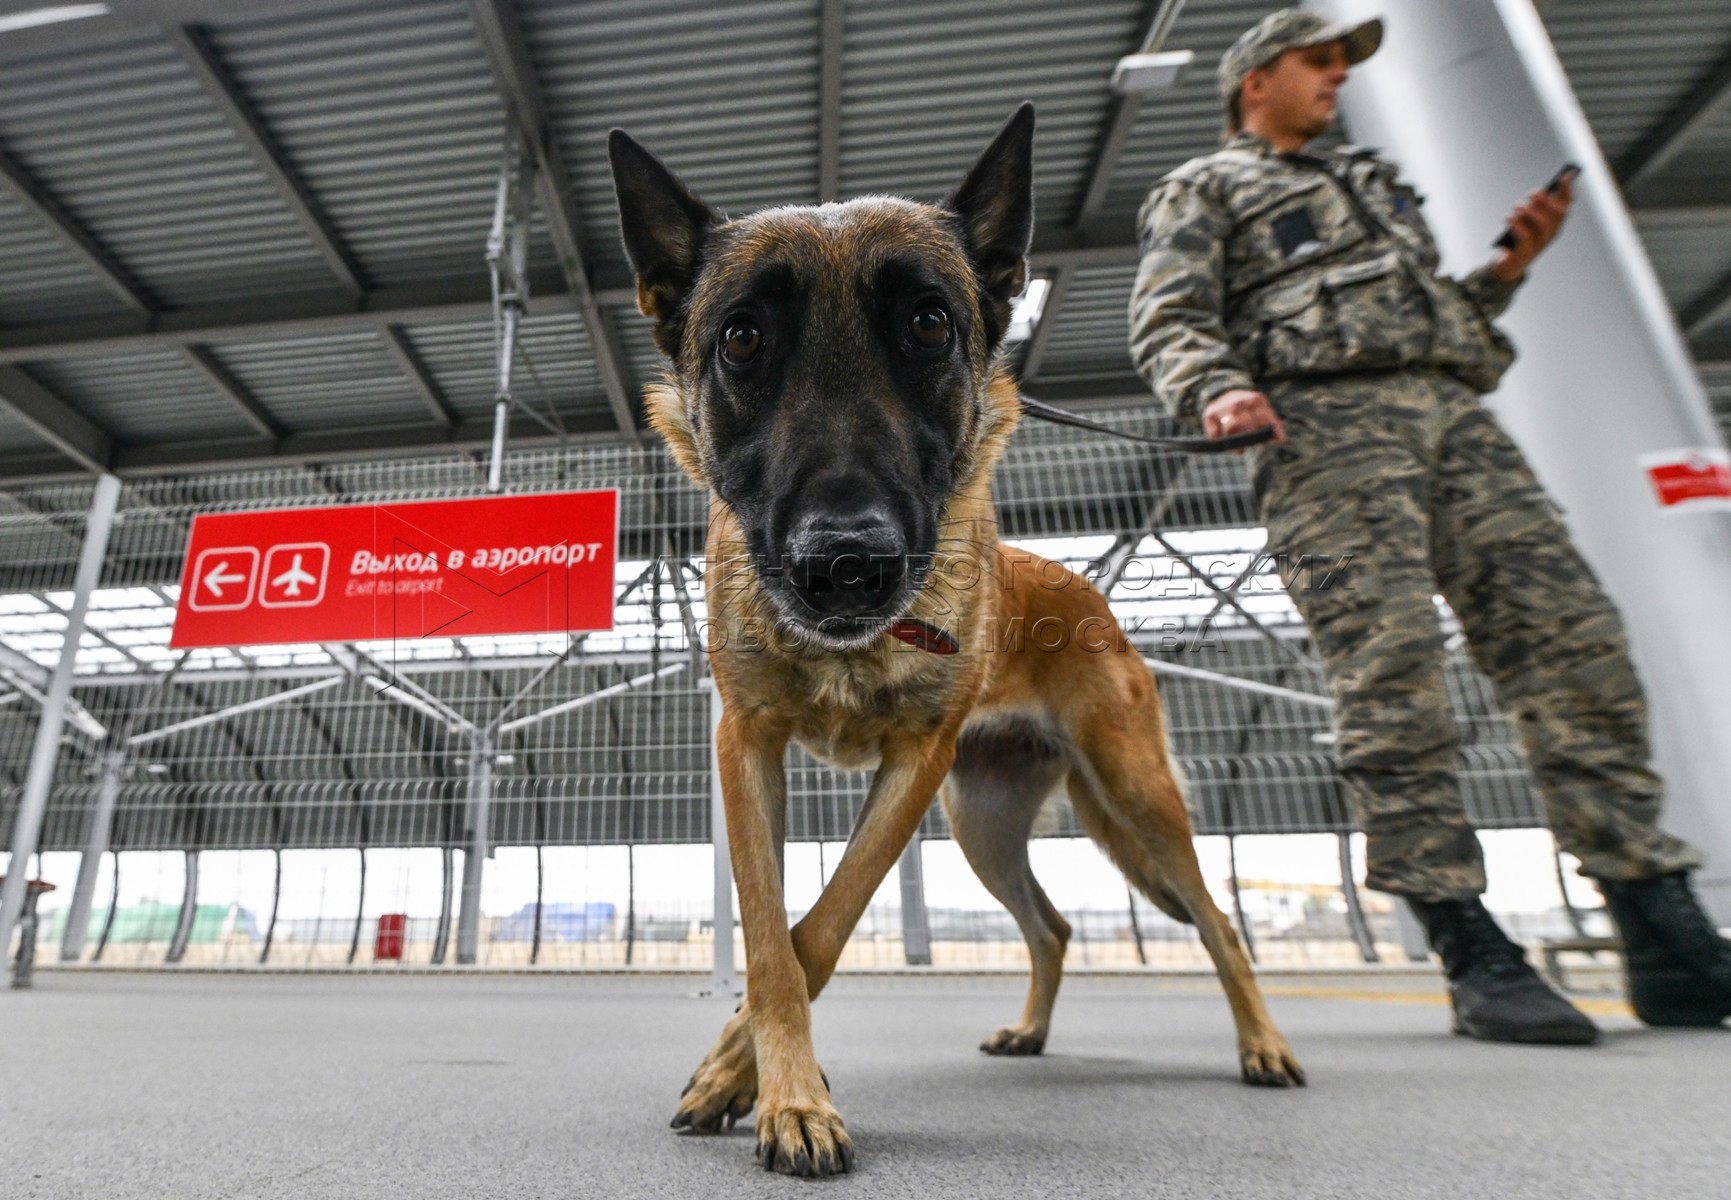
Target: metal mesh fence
<point>272,762</point>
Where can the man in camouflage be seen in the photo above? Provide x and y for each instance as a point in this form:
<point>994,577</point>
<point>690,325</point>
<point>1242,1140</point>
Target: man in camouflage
<point>1299,290</point>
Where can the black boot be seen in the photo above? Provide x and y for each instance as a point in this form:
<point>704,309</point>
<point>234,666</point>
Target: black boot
<point>1679,967</point>
<point>1497,997</point>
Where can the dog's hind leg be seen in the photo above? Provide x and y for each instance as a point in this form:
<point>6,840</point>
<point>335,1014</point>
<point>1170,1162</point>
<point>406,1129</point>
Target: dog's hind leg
<point>992,798</point>
<point>1129,801</point>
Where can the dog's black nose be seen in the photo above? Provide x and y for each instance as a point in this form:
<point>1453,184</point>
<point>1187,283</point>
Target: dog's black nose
<point>848,566</point>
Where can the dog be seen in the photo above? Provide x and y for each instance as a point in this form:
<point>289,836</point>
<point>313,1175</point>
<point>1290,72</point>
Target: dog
<point>838,386</point>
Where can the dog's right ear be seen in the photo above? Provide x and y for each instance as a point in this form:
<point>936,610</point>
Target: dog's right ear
<point>665,225</point>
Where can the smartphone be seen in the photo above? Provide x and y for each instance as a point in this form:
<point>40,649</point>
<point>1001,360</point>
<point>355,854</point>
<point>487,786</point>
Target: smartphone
<point>1506,240</point>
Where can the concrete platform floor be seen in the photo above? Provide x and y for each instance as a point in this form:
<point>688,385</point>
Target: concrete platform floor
<point>114,1086</point>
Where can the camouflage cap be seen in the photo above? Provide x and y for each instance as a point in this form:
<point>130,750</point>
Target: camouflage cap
<point>1292,29</point>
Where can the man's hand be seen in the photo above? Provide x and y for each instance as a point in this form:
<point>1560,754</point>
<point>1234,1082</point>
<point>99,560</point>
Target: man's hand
<point>1240,411</point>
<point>1534,223</point>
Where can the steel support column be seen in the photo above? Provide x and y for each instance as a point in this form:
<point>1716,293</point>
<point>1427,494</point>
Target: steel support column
<point>95,846</point>
<point>480,815</point>
<point>1471,97</point>
<point>46,752</point>
<point>723,980</point>
<point>188,911</point>
<point>916,927</point>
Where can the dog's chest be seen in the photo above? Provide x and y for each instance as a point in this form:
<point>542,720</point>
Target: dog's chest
<point>855,704</point>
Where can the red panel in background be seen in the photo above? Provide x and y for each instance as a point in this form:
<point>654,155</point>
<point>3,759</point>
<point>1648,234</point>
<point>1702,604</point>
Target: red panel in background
<point>388,942</point>
<point>1693,477</point>
<point>375,572</point>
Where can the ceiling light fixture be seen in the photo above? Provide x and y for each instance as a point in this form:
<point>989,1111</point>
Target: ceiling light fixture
<point>31,18</point>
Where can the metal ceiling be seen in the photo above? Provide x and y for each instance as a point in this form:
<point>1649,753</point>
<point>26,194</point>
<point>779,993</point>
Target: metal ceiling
<point>243,231</point>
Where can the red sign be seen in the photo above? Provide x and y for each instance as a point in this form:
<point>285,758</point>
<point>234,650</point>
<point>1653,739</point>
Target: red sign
<point>375,572</point>
<point>1697,477</point>
<point>388,942</point>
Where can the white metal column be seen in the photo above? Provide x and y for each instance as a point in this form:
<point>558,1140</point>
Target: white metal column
<point>1470,97</point>
<point>480,812</point>
<point>34,800</point>
<point>916,928</point>
<point>724,980</point>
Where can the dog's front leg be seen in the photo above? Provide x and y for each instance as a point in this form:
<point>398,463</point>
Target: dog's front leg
<point>766,1048</point>
<point>911,772</point>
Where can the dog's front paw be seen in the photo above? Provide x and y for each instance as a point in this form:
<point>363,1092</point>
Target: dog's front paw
<point>1269,1062</point>
<point>724,1086</point>
<point>803,1137</point>
<point>1014,1040</point>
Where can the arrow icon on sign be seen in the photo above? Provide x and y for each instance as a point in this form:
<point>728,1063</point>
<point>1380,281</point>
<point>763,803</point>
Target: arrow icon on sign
<point>214,578</point>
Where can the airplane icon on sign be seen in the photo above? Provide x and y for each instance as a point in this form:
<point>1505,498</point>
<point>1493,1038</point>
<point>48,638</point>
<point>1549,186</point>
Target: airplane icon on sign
<point>291,580</point>
<point>294,575</point>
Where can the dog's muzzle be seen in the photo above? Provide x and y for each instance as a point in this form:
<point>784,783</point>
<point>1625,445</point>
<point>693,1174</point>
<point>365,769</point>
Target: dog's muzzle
<point>847,568</point>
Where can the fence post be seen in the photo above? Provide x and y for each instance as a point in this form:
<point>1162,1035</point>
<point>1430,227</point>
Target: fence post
<point>46,752</point>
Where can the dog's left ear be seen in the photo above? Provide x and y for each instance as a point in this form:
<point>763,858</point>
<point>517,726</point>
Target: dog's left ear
<point>996,205</point>
<point>664,224</point>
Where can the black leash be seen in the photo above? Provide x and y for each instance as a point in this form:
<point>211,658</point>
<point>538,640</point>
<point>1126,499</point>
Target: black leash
<point>1186,445</point>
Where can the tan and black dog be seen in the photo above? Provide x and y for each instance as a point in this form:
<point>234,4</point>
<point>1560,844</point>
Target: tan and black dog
<point>837,385</point>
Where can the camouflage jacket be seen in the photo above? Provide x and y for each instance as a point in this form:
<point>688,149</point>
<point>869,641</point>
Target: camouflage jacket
<point>1259,266</point>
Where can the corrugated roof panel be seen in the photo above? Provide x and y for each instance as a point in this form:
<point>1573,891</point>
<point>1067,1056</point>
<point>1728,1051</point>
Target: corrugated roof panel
<point>1092,334</point>
<point>126,139</point>
<point>42,280</point>
<point>1691,252</point>
<point>17,438</point>
<point>320,384</point>
<point>462,358</point>
<point>925,86</point>
<point>150,396</point>
<point>637,339</point>
<point>1631,64</point>
<point>1176,125</point>
<point>726,96</point>
<point>1706,157</point>
<point>391,116</point>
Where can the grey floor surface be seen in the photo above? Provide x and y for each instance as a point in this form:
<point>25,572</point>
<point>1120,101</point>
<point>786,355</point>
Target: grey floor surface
<point>122,1086</point>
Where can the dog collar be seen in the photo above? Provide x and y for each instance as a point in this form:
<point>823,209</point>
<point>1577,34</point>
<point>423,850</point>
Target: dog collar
<point>926,637</point>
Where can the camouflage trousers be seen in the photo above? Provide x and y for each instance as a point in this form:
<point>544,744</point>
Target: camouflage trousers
<point>1405,485</point>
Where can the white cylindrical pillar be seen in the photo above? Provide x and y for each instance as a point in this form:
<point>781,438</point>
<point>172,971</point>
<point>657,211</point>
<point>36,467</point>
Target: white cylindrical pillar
<point>1470,98</point>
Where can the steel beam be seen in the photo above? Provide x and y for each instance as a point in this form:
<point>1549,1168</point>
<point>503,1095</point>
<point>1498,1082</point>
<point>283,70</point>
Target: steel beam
<point>54,421</point>
<point>35,198</point>
<point>434,302</point>
<point>33,802</point>
<point>1709,308</point>
<point>410,364</point>
<point>233,390</point>
<point>831,36</point>
<point>391,442</point>
<point>195,48</point>
<point>1671,133</point>
<point>446,301</point>
<point>502,39</point>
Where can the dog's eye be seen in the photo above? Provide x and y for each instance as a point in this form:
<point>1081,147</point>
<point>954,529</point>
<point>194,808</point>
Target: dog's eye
<point>741,342</point>
<point>929,327</point>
